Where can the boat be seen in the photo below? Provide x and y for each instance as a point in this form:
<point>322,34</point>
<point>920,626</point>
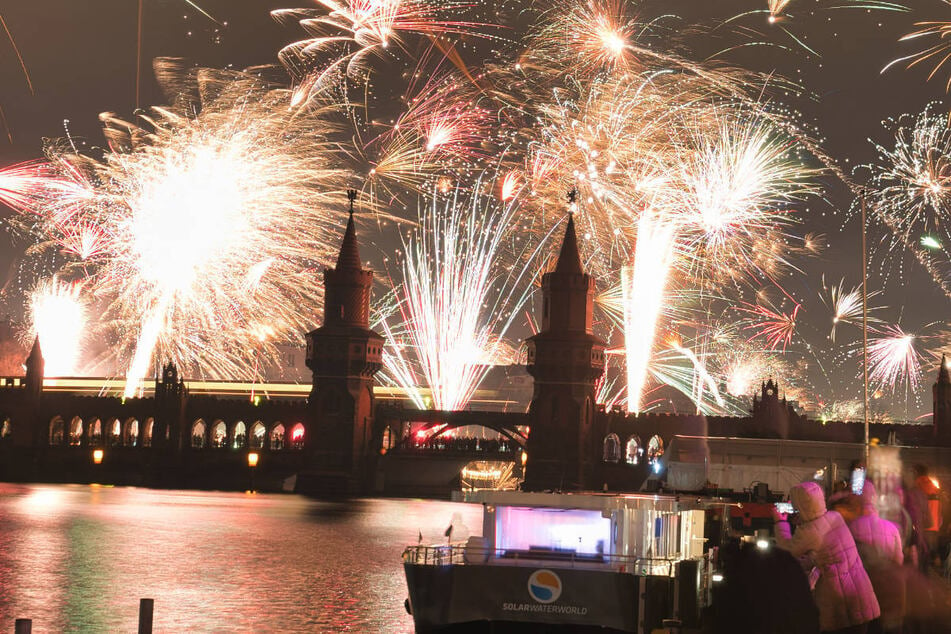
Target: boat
<point>567,562</point>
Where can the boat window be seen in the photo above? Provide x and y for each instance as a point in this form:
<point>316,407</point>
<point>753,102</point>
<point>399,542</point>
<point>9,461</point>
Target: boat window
<point>549,532</point>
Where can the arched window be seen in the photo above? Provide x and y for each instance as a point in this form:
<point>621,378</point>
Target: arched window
<point>76,432</point>
<point>277,437</point>
<point>198,434</point>
<point>633,451</point>
<point>57,431</point>
<point>130,435</point>
<point>611,448</point>
<point>95,433</point>
<point>297,436</point>
<point>219,435</point>
<point>114,431</point>
<point>655,449</point>
<point>258,434</point>
<point>6,429</point>
<point>147,436</point>
<point>239,436</point>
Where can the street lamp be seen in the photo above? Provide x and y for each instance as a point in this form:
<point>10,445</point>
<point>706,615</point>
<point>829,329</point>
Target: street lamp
<point>252,463</point>
<point>97,455</point>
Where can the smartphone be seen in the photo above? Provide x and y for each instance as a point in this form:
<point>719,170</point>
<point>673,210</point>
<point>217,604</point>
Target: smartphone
<point>858,480</point>
<point>784,507</point>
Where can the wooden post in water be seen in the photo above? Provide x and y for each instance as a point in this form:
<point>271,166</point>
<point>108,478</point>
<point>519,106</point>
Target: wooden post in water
<point>145,615</point>
<point>23,626</point>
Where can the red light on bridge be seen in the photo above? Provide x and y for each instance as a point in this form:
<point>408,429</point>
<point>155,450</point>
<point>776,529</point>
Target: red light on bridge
<point>297,434</point>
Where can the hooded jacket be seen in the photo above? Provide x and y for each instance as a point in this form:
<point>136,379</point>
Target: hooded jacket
<point>843,593</point>
<point>880,547</point>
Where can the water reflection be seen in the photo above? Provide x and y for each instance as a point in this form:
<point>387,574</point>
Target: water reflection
<point>80,557</point>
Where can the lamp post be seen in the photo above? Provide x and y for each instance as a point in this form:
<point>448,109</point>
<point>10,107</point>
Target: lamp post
<point>865,330</point>
<point>253,457</point>
<point>97,455</point>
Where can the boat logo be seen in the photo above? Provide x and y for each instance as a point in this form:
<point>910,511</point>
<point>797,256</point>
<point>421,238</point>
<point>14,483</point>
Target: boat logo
<point>544,586</point>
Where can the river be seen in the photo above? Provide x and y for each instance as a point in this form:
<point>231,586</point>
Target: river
<point>79,558</point>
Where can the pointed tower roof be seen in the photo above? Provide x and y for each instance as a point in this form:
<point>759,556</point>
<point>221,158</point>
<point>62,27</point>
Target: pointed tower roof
<point>35,352</point>
<point>569,259</point>
<point>349,256</point>
<point>943,376</point>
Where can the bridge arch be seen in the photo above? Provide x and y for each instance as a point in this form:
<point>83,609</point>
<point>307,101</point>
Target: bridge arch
<point>199,435</point>
<point>148,431</point>
<point>611,450</point>
<point>258,437</point>
<point>57,431</point>
<point>219,434</point>
<point>655,448</point>
<point>114,433</point>
<point>276,437</point>
<point>130,432</point>
<point>298,434</point>
<point>76,432</point>
<point>94,432</point>
<point>633,450</point>
<point>512,439</point>
<point>239,435</point>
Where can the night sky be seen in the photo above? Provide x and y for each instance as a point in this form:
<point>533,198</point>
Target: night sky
<point>81,57</point>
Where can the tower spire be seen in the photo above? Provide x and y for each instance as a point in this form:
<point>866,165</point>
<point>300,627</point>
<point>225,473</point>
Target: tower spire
<point>569,258</point>
<point>943,376</point>
<point>349,256</point>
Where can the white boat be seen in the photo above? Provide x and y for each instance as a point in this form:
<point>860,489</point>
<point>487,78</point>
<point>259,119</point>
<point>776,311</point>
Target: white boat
<point>571,562</point>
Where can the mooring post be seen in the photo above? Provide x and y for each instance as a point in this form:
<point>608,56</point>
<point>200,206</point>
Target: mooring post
<point>145,615</point>
<point>23,626</point>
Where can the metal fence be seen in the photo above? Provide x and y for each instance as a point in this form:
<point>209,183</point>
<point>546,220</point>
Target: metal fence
<point>461,554</point>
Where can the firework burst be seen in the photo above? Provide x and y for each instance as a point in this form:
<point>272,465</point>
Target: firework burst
<point>894,361</point>
<point>204,228</point>
<point>58,316</point>
<point>458,297</point>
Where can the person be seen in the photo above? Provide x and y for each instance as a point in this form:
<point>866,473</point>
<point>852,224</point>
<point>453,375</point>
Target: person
<point>928,486</point>
<point>763,591</point>
<point>880,547</point>
<point>843,591</point>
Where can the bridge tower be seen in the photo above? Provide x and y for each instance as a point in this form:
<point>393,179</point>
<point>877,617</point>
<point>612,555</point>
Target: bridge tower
<point>941,412</point>
<point>565,359</point>
<point>170,430</point>
<point>35,367</point>
<point>343,355</point>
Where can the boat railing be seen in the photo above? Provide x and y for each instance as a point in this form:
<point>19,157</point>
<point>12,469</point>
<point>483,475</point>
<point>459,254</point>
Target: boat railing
<point>458,554</point>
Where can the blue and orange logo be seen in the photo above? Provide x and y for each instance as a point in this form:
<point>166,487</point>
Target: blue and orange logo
<point>544,586</point>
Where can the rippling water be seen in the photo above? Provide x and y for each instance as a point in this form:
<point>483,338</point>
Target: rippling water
<point>79,558</point>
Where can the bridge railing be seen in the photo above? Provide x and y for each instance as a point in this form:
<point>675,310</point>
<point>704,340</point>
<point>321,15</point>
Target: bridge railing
<point>459,554</point>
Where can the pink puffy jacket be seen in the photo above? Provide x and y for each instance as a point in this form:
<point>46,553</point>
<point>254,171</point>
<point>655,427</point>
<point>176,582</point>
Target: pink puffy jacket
<point>879,545</point>
<point>843,592</point>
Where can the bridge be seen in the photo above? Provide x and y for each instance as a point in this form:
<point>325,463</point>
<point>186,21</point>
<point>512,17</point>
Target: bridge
<point>180,433</point>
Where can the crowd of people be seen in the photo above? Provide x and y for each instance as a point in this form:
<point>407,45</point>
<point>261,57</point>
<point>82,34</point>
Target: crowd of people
<point>462,444</point>
<point>838,565</point>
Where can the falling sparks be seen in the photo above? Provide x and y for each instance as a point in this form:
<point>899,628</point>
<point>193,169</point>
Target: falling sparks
<point>253,184</point>
<point>58,315</point>
<point>894,362</point>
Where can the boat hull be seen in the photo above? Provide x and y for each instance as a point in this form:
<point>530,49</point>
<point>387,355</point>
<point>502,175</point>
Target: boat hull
<point>464,598</point>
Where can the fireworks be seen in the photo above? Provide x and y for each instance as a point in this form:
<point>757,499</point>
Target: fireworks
<point>458,298</point>
<point>893,360</point>
<point>206,228</point>
<point>936,54</point>
<point>846,305</point>
<point>643,288</point>
<point>774,327</point>
<point>690,178</point>
<point>910,189</point>
<point>58,315</point>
